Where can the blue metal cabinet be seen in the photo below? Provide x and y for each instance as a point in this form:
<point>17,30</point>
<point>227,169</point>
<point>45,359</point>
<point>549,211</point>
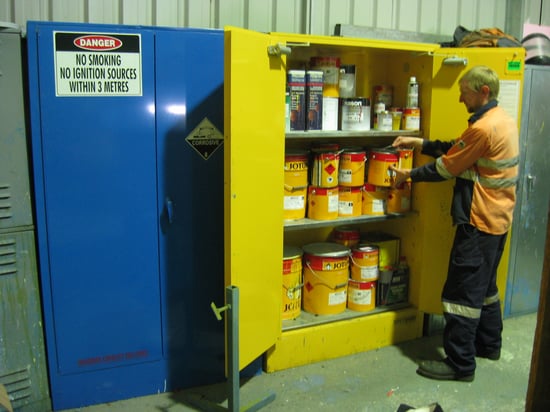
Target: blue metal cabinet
<point>129,213</point>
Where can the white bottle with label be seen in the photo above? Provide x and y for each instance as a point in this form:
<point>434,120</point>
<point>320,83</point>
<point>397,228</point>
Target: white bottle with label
<point>412,93</point>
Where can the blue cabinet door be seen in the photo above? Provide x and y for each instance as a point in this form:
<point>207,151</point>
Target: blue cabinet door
<point>189,112</point>
<point>94,160</point>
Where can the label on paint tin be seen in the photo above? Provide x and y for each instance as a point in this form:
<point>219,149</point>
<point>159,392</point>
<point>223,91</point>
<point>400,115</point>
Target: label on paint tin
<point>294,202</point>
<point>337,298</point>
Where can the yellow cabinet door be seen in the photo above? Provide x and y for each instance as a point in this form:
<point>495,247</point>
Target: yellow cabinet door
<point>448,119</point>
<point>254,94</point>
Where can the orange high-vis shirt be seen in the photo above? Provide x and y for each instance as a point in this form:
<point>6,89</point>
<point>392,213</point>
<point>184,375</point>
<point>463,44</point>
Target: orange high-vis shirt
<point>486,155</point>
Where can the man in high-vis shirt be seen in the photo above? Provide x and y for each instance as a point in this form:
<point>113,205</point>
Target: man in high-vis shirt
<point>484,163</point>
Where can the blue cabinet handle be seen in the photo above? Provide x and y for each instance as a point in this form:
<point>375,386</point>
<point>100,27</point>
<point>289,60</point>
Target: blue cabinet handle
<point>169,210</point>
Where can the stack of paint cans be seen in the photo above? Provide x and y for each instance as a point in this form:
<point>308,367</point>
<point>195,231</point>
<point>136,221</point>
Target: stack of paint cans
<point>380,195</point>
<point>351,178</point>
<point>323,191</point>
<point>379,181</point>
<point>352,270</point>
<point>327,182</point>
<point>399,196</point>
<point>364,275</point>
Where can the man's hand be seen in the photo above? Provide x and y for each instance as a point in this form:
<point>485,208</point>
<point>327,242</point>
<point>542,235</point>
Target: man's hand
<point>408,141</point>
<point>400,175</point>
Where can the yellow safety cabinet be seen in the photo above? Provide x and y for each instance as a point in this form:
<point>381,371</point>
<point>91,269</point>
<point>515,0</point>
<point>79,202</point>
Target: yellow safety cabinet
<point>256,66</point>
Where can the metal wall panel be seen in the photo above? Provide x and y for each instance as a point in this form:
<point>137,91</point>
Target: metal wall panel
<point>427,16</point>
<point>545,14</point>
<point>103,11</point>
<point>290,16</point>
<point>532,11</point>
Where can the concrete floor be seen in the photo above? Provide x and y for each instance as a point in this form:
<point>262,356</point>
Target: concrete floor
<point>375,381</point>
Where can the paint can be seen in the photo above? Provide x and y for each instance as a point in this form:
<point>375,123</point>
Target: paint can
<point>361,295</point>
<point>379,162</point>
<point>388,247</point>
<point>294,203</point>
<point>374,200</point>
<point>346,235</point>
<point>352,167</point>
<point>399,198</point>
<point>296,169</point>
<point>326,273</point>
<point>292,282</point>
<point>325,169</point>
<point>384,121</point>
<point>322,203</point>
<point>296,83</point>
<point>295,185</point>
<point>405,158</point>
<point>355,113</point>
<point>411,118</point>
<point>364,262</point>
<point>349,201</point>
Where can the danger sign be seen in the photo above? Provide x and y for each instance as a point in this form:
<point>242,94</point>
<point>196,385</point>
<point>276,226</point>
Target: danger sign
<point>97,64</point>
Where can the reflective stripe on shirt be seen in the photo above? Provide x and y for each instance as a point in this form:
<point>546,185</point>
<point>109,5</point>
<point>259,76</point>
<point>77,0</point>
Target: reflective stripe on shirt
<point>488,182</point>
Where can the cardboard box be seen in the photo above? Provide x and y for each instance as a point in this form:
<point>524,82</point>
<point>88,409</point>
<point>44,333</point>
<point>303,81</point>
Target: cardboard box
<point>388,247</point>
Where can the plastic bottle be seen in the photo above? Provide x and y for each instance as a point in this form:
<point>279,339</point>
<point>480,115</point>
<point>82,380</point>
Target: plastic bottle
<point>347,81</point>
<point>412,93</point>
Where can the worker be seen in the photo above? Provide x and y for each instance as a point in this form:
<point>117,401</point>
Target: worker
<point>484,163</point>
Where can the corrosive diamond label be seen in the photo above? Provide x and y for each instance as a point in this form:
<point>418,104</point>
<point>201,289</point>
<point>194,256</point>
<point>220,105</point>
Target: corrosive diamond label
<point>205,138</point>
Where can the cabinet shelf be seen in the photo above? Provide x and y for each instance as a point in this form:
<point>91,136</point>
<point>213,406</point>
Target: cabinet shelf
<point>306,319</point>
<point>306,223</point>
<point>320,134</point>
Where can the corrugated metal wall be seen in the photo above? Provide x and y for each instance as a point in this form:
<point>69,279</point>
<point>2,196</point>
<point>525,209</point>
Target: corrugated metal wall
<point>293,16</point>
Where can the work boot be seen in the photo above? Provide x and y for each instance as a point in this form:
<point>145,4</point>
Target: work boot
<point>491,355</point>
<point>442,371</point>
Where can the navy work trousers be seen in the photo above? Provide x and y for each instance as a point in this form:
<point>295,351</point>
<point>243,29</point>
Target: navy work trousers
<point>473,319</point>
